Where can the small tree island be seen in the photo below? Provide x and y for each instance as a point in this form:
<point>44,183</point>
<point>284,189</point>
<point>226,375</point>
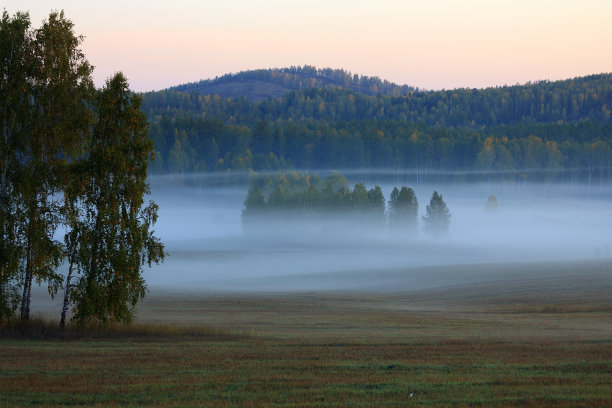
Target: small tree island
<point>309,203</point>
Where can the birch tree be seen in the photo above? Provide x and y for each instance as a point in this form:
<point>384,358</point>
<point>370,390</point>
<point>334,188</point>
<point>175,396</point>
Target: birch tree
<point>115,237</point>
<point>15,80</point>
<point>75,156</point>
<point>46,83</point>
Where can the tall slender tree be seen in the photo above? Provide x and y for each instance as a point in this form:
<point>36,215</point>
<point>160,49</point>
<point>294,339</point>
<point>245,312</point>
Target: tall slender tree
<point>47,84</point>
<point>71,155</point>
<point>115,240</point>
<point>16,80</point>
<point>437,216</point>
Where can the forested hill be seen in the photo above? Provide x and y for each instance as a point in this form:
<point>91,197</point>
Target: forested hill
<point>274,83</point>
<point>543,125</point>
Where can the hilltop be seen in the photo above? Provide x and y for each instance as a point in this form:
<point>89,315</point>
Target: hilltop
<point>276,82</point>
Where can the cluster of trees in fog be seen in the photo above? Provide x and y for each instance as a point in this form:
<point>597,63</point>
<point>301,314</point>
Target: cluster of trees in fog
<point>73,158</point>
<point>549,126</point>
<point>302,197</point>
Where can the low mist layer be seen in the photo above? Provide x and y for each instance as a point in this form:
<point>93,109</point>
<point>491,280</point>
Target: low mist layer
<point>211,251</point>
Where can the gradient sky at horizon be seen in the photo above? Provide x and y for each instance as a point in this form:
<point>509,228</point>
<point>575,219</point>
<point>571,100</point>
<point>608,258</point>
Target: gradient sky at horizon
<point>430,44</point>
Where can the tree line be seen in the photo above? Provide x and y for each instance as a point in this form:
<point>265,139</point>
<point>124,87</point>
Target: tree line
<point>554,127</point>
<point>73,158</point>
<point>303,197</point>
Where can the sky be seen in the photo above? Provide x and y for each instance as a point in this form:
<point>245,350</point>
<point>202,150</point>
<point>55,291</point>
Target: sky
<point>430,44</point>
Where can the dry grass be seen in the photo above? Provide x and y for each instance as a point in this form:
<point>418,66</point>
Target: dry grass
<point>536,343</point>
<point>291,373</point>
<point>41,329</point>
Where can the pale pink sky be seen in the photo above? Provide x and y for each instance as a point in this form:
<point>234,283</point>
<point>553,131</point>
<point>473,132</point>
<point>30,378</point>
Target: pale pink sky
<point>431,44</point>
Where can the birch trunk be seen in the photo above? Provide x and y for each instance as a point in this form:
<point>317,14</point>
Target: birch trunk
<point>66,296</point>
<point>27,288</point>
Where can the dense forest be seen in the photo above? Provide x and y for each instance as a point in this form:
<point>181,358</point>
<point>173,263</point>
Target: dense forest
<point>326,119</point>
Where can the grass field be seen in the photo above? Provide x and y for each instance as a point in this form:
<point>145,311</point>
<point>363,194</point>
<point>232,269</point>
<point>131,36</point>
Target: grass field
<point>531,335</point>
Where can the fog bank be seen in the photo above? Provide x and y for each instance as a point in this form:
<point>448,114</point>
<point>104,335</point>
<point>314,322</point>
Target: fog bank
<point>208,249</point>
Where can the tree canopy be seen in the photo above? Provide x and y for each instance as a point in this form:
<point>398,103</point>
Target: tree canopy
<point>45,87</point>
<point>75,157</point>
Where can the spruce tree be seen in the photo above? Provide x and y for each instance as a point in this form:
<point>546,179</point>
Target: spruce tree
<point>437,217</point>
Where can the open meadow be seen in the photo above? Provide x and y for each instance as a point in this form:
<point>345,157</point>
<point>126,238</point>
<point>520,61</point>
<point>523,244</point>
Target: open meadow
<point>512,308</point>
<point>530,334</point>
<point>262,204</point>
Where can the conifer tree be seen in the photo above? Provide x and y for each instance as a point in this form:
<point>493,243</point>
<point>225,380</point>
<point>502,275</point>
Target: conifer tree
<point>437,217</point>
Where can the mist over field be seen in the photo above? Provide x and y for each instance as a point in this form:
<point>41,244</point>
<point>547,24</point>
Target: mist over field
<point>209,250</point>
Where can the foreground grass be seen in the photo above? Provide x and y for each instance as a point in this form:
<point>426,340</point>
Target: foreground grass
<point>542,345</point>
<point>252,372</point>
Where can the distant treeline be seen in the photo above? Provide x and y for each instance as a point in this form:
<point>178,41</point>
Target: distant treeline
<point>551,126</point>
<point>302,197</point>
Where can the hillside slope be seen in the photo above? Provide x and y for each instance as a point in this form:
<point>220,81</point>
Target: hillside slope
<point>549,126</point>
<point>274,83</point>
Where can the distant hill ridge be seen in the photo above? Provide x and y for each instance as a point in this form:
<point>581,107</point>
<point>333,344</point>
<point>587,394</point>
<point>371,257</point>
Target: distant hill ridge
<point>311,118</point>
<point>274,83</point>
